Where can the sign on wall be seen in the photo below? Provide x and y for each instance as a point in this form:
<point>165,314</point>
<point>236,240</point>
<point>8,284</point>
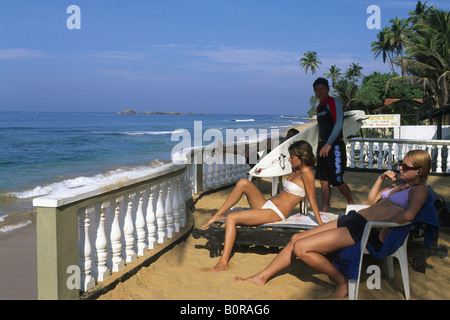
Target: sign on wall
<point>382,121</point>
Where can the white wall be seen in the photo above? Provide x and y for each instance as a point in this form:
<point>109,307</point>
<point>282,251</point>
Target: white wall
<point>423,132</point>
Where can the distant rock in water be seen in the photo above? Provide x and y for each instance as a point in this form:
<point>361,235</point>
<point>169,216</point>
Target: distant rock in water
<point>130,111</point>
<point>127,112</point>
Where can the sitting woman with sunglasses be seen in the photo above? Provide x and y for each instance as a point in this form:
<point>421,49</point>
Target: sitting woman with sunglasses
<point>399,203</point>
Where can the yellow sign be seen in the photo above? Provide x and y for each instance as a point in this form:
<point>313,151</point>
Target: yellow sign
<point>382,121</point>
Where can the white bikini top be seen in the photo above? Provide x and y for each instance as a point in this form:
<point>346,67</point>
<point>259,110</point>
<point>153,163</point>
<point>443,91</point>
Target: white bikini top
<point>293,188</point>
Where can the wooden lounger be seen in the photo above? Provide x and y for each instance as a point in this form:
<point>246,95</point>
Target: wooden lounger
<point>276,234</point>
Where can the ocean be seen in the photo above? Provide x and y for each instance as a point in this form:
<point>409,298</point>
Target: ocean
<point>47,152</point>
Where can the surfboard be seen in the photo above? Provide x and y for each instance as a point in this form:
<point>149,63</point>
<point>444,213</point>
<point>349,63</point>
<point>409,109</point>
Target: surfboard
<point>276,163</point>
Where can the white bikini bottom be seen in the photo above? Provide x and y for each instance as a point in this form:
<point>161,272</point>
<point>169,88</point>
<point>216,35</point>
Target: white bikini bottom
<point>270,205</point>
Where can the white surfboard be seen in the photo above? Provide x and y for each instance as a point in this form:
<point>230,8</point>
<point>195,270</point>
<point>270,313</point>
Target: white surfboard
<point>276,162</point>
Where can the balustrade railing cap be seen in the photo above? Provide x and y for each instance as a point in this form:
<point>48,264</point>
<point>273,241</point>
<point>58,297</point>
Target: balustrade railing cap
<point>418,141</point>
<point>69,196</point>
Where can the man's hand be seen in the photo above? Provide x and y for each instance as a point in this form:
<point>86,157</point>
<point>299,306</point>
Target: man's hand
<point>324,151</point>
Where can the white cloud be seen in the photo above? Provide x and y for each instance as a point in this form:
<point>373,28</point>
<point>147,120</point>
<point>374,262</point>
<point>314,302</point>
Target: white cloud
<point>121,55</point>
<point>20,54</point>
<point>234,55</point>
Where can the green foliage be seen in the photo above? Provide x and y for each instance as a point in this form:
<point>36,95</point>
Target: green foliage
<point>371,95</point>
<point>404,89</point>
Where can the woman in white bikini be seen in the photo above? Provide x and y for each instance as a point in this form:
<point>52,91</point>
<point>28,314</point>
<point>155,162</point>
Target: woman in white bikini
<point>399,203</point>
<point>299,183</point>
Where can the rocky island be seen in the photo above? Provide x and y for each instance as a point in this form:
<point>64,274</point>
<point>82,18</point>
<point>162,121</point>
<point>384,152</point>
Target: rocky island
<point>130,111</point>
<point>176,113</point>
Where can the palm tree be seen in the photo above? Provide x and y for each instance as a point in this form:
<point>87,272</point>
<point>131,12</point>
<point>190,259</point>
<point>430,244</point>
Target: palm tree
<point>313,101</point>
<point>397,35</point>
<point>428,57</point>
<point>334,74</point>
<point>420,12</point>
<point>346,92</point>
<point>353,73</point>
<point>310,61</point>
<point>383,46</point>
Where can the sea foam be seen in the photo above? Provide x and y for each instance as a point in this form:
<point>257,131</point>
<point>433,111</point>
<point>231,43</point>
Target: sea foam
<point>82,181</point>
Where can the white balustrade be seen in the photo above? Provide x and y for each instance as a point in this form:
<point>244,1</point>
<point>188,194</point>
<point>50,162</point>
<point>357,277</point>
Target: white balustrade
<point>385,153</point>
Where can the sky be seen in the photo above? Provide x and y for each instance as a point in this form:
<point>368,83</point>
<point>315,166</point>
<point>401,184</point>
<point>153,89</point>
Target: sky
<point>203,56</point>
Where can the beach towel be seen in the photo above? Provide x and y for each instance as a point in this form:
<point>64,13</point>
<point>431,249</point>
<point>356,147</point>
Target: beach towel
<point>347,260</point>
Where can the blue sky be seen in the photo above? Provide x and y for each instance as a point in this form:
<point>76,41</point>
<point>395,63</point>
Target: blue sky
<point>218,56</point>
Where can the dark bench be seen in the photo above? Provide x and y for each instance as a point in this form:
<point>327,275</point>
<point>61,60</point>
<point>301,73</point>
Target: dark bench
<point>269,235</point>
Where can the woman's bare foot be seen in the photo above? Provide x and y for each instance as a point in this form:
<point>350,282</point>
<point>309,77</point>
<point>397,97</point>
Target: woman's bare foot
<point>256,279</point>
<point>213,219</point>
<point>219,267</point>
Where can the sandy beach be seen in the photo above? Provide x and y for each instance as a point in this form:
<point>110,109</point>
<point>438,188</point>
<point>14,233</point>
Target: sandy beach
<point>181,273</point>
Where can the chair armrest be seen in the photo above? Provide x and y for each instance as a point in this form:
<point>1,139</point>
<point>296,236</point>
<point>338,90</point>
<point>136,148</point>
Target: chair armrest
<point>377,224</point>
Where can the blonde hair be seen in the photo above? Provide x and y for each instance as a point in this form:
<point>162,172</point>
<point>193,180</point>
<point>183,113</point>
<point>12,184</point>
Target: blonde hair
<point>421,159</point>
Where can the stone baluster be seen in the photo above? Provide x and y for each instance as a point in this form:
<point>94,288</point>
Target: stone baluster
<point>151,220</point>
<point>162,236</point>
<point>447,170</point>
<point>352,154</point>
<point>176,204</point>
<point>140,225</point>
<point>361,155</point>
<point>216,173</point>
<point>389,162</point>
<point>128,230</point>
<point>168,211</point>
<point>439,159</point>
<point>85,249</point>
<point>204,176</point>
<point>101,243</point>
<point>380,155</point>
<point>234,168</point>
<point>116,237</point>
<point>182,201</point>
<point>222,177</point>
<point>370,164</point>
<point>399,154</point>
<point>209,175</point>
<point>228,168</point>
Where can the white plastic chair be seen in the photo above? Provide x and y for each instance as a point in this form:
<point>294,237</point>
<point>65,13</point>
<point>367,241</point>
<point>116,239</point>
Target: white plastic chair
<point>400,254</point>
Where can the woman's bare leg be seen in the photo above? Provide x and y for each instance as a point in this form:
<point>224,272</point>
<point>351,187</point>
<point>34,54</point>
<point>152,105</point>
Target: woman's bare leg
<point>246,217</point>
<point>286,256</point>
<point>311,251</point>
<point>254,197</point>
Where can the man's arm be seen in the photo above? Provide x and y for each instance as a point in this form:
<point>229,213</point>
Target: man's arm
<point>339,112</point>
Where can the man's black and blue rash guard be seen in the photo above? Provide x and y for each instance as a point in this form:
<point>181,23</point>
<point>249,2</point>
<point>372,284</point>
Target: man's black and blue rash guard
<point>330,117</point>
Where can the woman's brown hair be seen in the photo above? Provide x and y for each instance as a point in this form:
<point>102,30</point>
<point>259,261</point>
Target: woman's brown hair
<point>304,151</point>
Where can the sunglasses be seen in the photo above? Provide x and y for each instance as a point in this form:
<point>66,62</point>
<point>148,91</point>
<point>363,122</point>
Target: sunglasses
<point>405,167</point>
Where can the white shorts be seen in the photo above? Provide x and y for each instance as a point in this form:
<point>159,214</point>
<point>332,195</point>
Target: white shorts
<point>270,205</point>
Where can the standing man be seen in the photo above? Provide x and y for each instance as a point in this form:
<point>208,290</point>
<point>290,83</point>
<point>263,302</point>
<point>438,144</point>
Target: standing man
<point>331,151</point>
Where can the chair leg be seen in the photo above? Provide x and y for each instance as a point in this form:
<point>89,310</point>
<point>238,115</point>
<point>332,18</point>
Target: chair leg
<point>353,286</point>
<point>390,267</point>
<point>402,257</point>
<point>274,186</point>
